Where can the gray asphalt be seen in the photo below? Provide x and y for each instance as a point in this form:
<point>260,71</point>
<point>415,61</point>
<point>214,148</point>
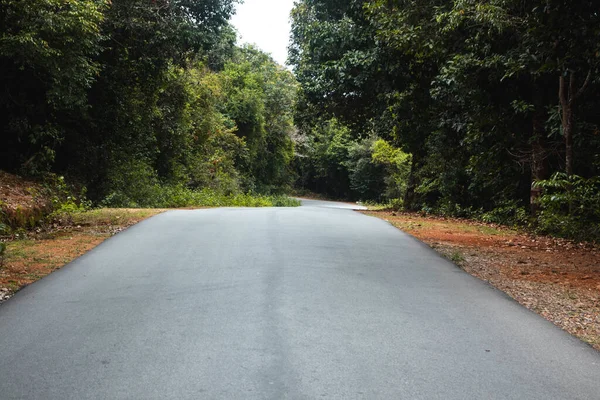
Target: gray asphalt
<point>331,204</point>
<point>299,303</point>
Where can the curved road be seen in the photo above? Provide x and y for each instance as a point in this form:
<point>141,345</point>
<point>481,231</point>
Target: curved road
<point>298,303</point>
<point>331,204</point>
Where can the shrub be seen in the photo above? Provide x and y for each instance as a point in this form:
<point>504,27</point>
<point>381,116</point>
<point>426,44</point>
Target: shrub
<point>570,207</point>
<point>132,183</point>
<point>507,213</point>
<point>396,204</point>
<point>177,196</point>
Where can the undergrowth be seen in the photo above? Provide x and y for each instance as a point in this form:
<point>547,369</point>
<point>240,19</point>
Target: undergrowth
<point>165,196</point>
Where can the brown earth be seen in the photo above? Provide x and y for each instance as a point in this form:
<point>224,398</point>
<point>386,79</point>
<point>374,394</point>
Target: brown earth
<point>558,279</point>
<point>18,192</point>
<point>22,203</point>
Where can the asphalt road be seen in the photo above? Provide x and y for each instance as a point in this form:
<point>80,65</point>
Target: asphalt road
<point>330,204</point>
<point>298,303</point>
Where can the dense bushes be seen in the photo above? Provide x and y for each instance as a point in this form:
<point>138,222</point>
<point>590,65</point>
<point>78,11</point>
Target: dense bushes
<point>143,104</point>
<point>178,196</point>
<point>330,161</point>
<point>487,97</point>
<point>570,207</point>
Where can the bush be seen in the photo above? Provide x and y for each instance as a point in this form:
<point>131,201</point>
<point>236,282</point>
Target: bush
<point>396,204</point>
<point>570,207</point>
<point>132,183</point>
<point>284,201</point>
<point>178,196</point>
<point>507,213</point>
<point>397,165</point>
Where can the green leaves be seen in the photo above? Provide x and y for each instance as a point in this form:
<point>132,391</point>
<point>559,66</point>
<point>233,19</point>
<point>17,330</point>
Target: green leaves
<point>128,96</point>
<point>47,53</point>
<point>570,207</point>
<point>259,98</point>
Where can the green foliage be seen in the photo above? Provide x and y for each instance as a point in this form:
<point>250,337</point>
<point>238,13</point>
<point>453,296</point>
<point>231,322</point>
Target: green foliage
<point>323,157</point>
<point>367,177</point>
<point>47,51</point>
<point>63,195</point>
<point>508,213</point>
<point>259,99</point>
<point>468,88</point>
<point>131,98</point>
<point>178,196</point>
<point>66,201</point>
<point>570,207</point>
<point>397,164</point>
<point>133,183</point>
<point>332,162</point>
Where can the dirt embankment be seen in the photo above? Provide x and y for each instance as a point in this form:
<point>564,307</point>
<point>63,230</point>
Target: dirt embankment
<point>23,203</point>
<point>556,278</point>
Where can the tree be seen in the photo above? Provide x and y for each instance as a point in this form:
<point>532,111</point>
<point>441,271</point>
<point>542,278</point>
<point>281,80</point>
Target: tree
<point>260,100</point>
<point>468,88</point>
<point>48,52</point>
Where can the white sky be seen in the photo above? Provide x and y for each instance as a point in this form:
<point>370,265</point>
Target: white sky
<point>265,23</point>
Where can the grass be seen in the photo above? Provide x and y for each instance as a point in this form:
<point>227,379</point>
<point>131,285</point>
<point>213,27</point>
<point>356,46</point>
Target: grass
<point>165,196</point>
<point>457,257</point>
<point>112,216</point>
<point>413,222</point>
<point>376,206</point>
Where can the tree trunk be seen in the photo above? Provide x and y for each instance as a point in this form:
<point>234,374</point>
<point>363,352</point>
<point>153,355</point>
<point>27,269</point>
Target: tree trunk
<point>409,196</point>
<point>539,166</point>
<point>566,103</point>
<point>568,95</point>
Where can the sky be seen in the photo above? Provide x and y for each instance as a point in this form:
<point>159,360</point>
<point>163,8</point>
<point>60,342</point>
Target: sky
<point>265,23</point>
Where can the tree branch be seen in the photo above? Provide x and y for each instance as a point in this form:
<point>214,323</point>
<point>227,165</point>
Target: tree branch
<point>571,94</point>
<point>584,87</point>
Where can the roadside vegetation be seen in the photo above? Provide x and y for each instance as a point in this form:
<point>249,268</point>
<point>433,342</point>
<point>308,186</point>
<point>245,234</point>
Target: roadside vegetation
<point>143,105</point>
<point>474,109</point>
<point>129,104</point>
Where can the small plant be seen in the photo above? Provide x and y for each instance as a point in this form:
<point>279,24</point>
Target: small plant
<point>457,257</point>
<point>397,204</point>
<point>65,200</point>
<point>570,207</point>
<point>3,231</point>
<point>509,213</point>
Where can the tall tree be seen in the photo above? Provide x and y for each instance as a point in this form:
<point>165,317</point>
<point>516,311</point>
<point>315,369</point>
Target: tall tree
<point>48,52</point>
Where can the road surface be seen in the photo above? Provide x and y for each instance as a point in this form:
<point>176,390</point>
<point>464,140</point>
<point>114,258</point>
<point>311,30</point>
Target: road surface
<point>298,303</point>
<point>331,204</point>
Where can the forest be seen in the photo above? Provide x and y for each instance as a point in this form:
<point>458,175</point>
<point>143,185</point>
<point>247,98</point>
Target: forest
<point>143,103</point>
<point>464,108</point>
<point>467,108</point>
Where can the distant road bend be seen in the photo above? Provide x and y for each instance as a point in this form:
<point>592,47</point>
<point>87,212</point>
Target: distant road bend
<point>314,302</point>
